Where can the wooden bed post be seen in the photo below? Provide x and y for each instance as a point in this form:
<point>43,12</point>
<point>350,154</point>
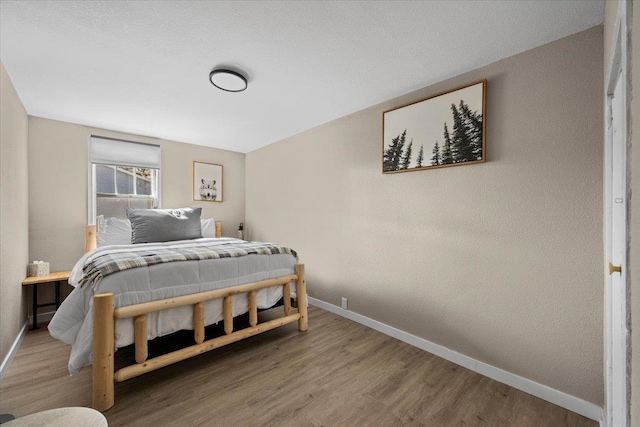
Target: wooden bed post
<point>253,308</point>
<point>286,298</point>
<point>140,338</point>
<point>91,235</point>
<point>103,342</point>
<point>227,312</point>
<point>301,295</point>
<point>198,322</point>
<point>89,238</point>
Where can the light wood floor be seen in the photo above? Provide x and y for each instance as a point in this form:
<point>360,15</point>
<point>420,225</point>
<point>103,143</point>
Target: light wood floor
<point>339,373</point>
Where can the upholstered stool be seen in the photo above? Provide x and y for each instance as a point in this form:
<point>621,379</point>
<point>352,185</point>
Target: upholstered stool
<point>61,417</point>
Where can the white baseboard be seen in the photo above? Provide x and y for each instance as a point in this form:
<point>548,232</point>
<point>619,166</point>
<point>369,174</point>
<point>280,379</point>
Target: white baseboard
<point>556,397</point>
<point>42,317</point>
<point>4,368</point>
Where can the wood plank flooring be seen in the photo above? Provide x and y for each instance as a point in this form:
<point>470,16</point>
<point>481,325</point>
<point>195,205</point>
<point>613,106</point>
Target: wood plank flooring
<point>339,373</point>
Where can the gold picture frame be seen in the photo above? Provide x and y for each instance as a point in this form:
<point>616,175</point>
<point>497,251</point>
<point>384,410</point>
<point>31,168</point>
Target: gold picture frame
<point>449,128</point>
<point>206,181</point>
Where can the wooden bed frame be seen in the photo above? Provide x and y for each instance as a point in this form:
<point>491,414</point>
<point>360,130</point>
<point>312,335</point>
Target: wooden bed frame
<point>104,316</point>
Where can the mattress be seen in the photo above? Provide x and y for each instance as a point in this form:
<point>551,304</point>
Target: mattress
<point>73,321</point>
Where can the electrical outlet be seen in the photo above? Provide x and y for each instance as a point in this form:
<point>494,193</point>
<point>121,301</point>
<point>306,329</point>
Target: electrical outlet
<point>344,303</point>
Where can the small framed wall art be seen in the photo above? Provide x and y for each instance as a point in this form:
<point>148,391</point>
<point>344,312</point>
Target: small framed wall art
<point>207,182</point>
<point>447,129</point>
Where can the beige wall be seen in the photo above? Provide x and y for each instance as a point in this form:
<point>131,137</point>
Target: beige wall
<point>500,261</point>
<point>58,186</point>
<point>14,212</point>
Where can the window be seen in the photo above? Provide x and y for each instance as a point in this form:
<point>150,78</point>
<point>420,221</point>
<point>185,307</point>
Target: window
<point>122,175</point>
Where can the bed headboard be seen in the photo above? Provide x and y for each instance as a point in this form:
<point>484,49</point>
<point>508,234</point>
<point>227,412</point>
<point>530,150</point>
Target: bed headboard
<point>91,234</point>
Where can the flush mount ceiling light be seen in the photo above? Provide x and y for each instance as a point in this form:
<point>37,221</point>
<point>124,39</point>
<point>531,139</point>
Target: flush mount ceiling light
<point>230,81</point>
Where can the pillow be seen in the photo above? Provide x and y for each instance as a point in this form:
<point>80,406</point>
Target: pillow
<point>208,227</point>
<point>117,231</point>
<point>114,231</point>
<point>164,225</point>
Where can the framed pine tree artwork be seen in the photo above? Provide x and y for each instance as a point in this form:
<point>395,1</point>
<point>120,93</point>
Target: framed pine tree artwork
<point>447,129</point>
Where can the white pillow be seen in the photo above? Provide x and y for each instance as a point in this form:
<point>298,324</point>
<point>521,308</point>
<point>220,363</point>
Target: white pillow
<point>117,231</point>
<point>114,231</point>
<point>208,227</point>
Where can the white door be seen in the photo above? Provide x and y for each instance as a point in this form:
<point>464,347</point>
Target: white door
<point>616,195</point>
<point>616,254</point>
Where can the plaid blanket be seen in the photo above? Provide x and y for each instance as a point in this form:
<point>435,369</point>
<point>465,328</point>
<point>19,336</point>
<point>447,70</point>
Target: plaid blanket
<point>111,262</point>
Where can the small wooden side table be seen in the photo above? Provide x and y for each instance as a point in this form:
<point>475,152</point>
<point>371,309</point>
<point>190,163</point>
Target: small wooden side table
<point>55,277</point>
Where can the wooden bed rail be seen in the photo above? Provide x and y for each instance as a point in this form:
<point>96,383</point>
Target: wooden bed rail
<point>104,316</point>
<point>164,304</point>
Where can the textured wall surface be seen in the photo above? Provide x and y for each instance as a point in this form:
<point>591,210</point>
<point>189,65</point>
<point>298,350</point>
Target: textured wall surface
<point>14,212</point>
<point>58,186</point>
<point>500,261</point>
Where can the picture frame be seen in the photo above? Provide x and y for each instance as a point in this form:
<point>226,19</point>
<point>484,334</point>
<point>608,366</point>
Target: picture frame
<point>206,179</point>
<point>449,128</point>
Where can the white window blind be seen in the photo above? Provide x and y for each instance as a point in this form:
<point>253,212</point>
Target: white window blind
<point>124,153</point>
<point>133,181</point>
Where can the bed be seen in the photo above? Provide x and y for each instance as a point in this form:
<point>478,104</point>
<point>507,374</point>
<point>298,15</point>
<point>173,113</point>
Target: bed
<point>220,278</point>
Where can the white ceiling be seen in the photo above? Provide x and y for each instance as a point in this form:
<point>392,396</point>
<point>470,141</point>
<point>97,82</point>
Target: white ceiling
<point>142,67</point>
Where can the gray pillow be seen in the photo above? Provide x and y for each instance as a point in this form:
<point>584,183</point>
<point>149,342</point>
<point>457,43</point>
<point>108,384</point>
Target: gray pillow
<point>164,225</point>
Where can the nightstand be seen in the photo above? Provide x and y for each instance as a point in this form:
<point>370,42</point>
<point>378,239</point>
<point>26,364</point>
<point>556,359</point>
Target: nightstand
<point>55,277</point>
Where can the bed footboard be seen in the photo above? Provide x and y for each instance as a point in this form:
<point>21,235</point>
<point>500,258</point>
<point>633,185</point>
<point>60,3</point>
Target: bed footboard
<point>103,349</point>
<point>104,316</point>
